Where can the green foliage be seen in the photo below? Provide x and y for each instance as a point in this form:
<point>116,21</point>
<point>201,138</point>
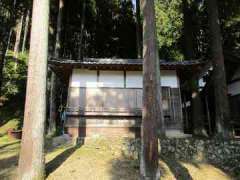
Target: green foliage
<point>169,22</point>
<point>229,12</point>
<point>14,85</point>
<point>14,82</point>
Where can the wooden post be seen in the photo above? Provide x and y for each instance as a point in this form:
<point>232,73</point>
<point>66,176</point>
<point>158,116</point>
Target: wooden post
<point>151,115</point>
<point>32,161</point>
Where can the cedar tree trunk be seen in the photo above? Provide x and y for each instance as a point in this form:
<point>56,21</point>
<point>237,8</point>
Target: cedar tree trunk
<point>53,90</point>
<point>80,54</point>
<point>151,115</point>
<point>189,54</point>
<point>222,116</point>
<point>31,160</point>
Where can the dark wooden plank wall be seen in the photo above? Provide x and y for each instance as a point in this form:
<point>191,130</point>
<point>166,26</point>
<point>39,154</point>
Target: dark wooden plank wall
<point>122,102</point>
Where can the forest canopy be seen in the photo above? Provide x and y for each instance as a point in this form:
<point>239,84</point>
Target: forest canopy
<point>110,30</point>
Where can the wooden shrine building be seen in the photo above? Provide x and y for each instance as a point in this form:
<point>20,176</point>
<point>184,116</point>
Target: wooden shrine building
<point>105,95</point>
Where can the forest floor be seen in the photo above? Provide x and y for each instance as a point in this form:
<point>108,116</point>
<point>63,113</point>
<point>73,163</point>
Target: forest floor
<point>100,159</point>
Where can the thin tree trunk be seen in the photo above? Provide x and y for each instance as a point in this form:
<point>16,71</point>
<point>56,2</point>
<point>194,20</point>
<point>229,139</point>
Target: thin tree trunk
<point>32,161</point>
<point>53,106</point>
<point>151,115</point>
<point>138,30</point>
<point>80,54</point>
<point>53,90</point>
<point>59,29</point>
<point>26,27</point>
<point>222,116</point>
<point>2,61</point>
<point>8,41</point>
<point>17,41</point>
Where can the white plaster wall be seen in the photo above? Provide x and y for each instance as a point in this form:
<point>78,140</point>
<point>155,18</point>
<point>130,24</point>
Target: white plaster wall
<point>134,79</point>
<point>234,88</point>
<point>88,78</point>
<point>84,78</point>
<point>111,79</point>
<point>169,78</point>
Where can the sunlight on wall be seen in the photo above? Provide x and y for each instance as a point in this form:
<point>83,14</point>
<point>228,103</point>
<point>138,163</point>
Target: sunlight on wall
<point>115,79</point>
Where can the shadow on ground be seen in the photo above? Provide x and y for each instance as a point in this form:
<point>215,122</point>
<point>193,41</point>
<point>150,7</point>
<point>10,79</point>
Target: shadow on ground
<point>59,160</point>
<point>177,169</point>
<point>124,169</point>
<point>128,167</point>
<point>9,144</point>
<point>8,167</point>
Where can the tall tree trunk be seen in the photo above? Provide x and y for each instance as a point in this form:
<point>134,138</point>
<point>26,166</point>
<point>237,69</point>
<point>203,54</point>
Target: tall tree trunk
<point>138,30</point>
<point>53,90</point>
<point>32,161</point>
<point>189,51</point>
<point>151,115</point>
<point>26,27</point>
<point>189,54</point>
<point>17,41</point>
<point>80,53</point>
<point>222,116</point>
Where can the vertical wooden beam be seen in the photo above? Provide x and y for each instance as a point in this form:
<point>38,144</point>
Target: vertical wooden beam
<point>125,78</point>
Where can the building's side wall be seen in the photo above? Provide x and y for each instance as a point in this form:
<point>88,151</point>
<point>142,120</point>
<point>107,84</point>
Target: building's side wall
<point>115,79</point>
<point>234,99</point>
<point>113,99</point>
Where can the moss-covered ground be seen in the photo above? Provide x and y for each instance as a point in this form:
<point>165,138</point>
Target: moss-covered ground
<point>100,159</point>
